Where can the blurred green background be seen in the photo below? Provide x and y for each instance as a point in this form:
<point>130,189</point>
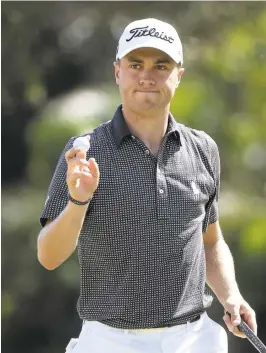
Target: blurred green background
<point>58,81</point>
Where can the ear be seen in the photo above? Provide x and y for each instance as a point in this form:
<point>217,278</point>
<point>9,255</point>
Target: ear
<point>180,73</point>
<point>117,72</point>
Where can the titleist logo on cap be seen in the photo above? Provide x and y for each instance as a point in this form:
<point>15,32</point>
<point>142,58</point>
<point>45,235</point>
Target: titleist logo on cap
<point>152,32</point>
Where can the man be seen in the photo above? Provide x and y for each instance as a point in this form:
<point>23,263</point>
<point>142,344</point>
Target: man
<point>147,228</point>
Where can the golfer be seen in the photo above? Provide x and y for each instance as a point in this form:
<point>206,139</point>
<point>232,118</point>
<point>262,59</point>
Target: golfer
<point>141,205</point>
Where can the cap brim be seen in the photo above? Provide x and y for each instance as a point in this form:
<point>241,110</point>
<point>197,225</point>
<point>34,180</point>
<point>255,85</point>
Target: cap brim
<point>177,59</point>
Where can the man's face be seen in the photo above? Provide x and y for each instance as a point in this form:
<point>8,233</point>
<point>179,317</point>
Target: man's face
<point>147,79</point>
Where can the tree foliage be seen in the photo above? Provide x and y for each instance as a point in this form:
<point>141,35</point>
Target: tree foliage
<point>57,82</point>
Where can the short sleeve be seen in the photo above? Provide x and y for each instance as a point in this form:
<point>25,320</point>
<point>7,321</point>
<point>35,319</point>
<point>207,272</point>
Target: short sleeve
<point>212,211</point>
<point>57,196</point>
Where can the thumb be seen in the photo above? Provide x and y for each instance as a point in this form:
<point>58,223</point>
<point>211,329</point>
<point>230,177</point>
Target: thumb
<point>94,169</point>
<point>235,315</point>
<point>81,153</point>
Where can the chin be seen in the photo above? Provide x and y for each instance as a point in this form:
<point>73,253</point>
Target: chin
<point>146,104</point>
<point>146,107</point>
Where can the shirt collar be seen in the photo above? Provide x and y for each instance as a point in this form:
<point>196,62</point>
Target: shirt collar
<point>120,129</point>
<point>174,128</point>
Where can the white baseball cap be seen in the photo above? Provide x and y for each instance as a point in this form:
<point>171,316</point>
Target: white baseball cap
<point>150,33</point>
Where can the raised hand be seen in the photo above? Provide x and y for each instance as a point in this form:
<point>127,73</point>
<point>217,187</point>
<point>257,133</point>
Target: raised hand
<point>82,175</point>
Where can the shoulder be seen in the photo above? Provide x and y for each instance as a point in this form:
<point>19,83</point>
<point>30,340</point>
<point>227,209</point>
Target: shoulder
<point>201,139</point>
<point>95,134</point>
<point>101,142</point>
<point>197,136</point>
<point>204,147</point>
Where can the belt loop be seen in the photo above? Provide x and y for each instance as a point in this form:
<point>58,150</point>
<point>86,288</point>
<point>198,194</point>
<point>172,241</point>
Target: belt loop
<point>188,326</point>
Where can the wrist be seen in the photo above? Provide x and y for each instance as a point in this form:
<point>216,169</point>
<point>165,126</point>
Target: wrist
<point>234,293</point>
<point>79,202</point>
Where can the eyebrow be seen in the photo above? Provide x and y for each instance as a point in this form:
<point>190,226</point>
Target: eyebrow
<point>139,61</point>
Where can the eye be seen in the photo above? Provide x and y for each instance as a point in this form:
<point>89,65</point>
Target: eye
<point>135,66</point>
<point>161,67</point>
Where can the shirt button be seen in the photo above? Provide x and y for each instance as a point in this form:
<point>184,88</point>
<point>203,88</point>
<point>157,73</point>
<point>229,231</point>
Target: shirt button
<point>147,152</point>
<point>161,191</point>
<point>133,137</point>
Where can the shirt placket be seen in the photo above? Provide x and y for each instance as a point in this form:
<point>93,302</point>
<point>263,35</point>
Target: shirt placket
<point>161,186</point>
<point>162,201</point>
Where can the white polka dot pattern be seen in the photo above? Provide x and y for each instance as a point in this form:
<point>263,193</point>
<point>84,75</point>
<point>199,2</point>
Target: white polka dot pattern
<point>141,252</point>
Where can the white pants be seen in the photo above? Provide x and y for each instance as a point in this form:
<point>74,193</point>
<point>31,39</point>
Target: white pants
<point>202,336</point>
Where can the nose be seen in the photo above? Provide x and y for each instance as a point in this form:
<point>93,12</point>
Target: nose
<point>147,82</point>
<point>146,79</point>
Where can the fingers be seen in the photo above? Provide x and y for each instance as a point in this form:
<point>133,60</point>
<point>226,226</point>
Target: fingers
<point>94,169</point>
<point>232,328</point>
<point>90,167</point>
<point>80,170</point>
<point>75,152</point>
<point>235,315</point>
<point>249,316</point>
<point>81,167</point>
<point>234,311</point>
<point>78,164</point>
<point>74,177</point>
<point>76,156</point>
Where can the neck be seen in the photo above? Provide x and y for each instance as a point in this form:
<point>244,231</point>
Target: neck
<point>150,127</point>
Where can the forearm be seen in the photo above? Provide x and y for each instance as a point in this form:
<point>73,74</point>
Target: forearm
<point>58,240</point>
<point>220,270</point>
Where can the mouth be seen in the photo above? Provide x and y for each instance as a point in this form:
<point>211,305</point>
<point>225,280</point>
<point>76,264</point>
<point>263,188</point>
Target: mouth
<point>144,91</point>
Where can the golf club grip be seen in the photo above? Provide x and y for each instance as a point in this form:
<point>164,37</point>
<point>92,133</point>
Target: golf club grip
<point>243,327</point>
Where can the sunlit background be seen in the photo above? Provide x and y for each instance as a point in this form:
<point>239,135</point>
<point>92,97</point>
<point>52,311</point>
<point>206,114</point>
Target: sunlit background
<point>58,82</point>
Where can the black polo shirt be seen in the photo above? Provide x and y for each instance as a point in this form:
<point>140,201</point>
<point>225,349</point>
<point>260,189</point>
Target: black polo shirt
<point>141,251</point>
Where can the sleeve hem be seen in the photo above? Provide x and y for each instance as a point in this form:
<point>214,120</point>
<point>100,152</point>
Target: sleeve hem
<point>43,221</point>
